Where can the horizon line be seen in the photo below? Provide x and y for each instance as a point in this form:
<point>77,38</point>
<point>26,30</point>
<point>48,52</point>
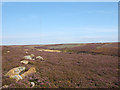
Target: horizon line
<point>57,43</point>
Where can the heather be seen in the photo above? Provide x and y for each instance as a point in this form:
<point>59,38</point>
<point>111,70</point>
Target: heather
<point>91,48</point>
<point>71,68</point>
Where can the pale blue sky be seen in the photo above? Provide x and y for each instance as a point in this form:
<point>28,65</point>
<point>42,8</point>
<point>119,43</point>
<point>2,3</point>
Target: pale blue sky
<point>46,23</point>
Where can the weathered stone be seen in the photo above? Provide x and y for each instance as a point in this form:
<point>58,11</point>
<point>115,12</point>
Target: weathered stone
<point>39,57</point>
<point>24,62</point>
<point>30,71</point>
<point>5,86</point>
<point>26,52</point>
<point>32,84</point>
<point>33,59</point>
<point>17,77</point>
<point>15,71</point>
<point>27,57</point>
<point>32,55</point>
<point>8,51</point>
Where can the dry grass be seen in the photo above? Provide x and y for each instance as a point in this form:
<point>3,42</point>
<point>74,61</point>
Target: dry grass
<point>48,50</point>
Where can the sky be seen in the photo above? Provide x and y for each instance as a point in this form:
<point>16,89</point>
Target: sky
<point>27,23</point>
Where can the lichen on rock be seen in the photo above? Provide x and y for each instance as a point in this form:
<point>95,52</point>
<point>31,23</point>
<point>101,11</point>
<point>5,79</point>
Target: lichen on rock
<point>18,73</point>
<point>30,71</point>
<point>15,72</point>
<point>17,77</point>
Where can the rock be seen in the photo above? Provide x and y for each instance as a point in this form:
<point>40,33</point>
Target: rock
<point>30,71</point>
<point>39,57</point>
<point>8,51</point>
<point>5,86</point>
<point>26,52</point>
<point>33,59</point>
<point>15,71</point>
<point>17,77</point>
<point>24,62</point>
<point>27,57</point>
<point>32,55</point>
<point>32,84</point>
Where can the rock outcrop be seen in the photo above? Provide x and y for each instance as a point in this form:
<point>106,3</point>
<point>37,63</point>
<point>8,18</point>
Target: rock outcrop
<point>15,73</point>
<point>29,57</point>
<point>17,77</point>
<point>30,71</point>
<point>5,86</point>
<point>19,73</point>
<point>40,58</point>
<point>24,61</point>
